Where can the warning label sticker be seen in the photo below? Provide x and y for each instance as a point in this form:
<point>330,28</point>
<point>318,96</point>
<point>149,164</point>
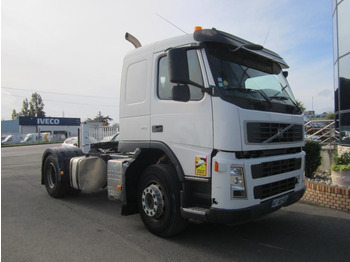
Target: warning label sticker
<point>201,166</point>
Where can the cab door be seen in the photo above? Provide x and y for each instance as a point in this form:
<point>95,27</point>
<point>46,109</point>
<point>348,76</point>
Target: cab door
<point>185,127</point>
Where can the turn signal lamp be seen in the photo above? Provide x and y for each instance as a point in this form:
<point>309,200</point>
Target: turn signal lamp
<point>216,166</point>
<point>220,167</point>
<point>197,28</point>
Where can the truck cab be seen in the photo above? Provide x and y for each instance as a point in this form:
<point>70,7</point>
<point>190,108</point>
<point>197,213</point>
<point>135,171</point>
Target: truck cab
<point>210,130</point>
<point>234,123</point>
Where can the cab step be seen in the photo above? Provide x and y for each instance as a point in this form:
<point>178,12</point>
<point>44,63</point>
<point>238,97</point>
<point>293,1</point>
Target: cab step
<point>198,213</point>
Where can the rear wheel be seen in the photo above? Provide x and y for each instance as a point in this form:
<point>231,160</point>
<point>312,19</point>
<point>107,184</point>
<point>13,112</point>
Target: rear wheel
<point>53,183</point>
<point>159,201</point>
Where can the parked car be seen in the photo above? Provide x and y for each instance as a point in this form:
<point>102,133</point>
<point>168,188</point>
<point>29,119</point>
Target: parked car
<point>71,141</point>
<point>114,138</point>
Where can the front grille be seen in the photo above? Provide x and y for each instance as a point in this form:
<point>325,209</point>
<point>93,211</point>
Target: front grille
<point>275,188</point>
<point>276,167</point>
<point>273,132</point>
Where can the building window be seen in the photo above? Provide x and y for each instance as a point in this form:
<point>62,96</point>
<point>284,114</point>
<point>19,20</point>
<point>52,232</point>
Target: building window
<point>341,35</point>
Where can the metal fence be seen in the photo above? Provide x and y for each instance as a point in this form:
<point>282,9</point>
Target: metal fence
<point>322,131</point>
<point>94,133</point>
<point>102,133</point>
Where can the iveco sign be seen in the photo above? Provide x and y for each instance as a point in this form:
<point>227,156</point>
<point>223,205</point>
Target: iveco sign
<point>48,121</point>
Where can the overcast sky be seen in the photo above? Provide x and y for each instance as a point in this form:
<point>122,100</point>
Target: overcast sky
<point>71,51</point>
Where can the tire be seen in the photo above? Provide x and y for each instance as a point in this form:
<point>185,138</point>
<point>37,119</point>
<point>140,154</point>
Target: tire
<point>159,201</point>
<point>53,183</point>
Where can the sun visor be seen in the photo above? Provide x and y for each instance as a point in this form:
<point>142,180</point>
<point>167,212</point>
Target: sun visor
<point>216,36</point>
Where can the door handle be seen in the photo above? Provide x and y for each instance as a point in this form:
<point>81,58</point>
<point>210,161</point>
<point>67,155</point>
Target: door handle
<point>157,129</point>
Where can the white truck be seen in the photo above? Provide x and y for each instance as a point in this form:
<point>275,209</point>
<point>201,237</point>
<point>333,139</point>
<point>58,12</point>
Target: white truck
<point>13,139</point>
<point>36,137</point>
<point>210,131</point>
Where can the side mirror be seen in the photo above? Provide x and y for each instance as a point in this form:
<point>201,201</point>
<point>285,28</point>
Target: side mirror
<point>178,66</point>
<point>181,93</point>
<point>285,73</point>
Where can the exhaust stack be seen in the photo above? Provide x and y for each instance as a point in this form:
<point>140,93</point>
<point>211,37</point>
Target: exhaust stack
<point>132,40</point>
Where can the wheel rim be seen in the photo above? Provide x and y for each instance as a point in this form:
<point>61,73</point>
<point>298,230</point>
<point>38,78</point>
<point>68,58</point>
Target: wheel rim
<point>51,175</point>
<point>152,201</point>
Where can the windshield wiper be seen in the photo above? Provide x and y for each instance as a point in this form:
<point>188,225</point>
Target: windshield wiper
<point>268,100</point>
<point>279,97</point>
<point>247,91</point>
<point>284,98</point>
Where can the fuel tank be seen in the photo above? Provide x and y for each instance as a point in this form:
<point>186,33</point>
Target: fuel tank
<point>88,174</point>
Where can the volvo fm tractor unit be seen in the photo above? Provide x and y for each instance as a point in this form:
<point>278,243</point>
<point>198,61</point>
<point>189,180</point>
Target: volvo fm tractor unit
<point>209,131</point>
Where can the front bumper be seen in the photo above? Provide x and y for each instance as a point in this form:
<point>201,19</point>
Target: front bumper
<point>216,215</point>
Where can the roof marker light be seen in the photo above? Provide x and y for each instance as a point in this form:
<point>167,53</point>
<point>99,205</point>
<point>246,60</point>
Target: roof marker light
<point>197,28</point>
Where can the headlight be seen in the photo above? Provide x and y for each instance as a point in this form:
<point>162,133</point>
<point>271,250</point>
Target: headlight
<point>237,183</point>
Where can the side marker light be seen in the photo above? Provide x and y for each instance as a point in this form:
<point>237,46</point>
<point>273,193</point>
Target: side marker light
<point>216,166</point>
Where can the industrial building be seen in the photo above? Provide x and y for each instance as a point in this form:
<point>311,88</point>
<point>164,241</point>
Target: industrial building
<point>54,125</point>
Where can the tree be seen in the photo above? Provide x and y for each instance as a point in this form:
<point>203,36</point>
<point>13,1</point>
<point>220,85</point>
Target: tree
<point>14,115</point>
<point>101,119</point>
<point>33,108</point>
<point>25,110</point>
<point>301,106</point>
<point>36,105</point>
<point>330,116</point>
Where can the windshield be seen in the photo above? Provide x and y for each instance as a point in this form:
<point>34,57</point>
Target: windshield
<point>251,84</point>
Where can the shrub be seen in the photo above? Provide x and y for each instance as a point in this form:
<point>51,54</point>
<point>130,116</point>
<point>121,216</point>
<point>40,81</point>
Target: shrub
<point>341,163</point>
<point>313,157</point>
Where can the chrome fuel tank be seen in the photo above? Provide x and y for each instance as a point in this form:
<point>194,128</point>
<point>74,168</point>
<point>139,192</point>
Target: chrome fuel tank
<point>88,174</point>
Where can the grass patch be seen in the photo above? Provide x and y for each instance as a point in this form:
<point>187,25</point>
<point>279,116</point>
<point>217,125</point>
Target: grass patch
<point>31,144</point>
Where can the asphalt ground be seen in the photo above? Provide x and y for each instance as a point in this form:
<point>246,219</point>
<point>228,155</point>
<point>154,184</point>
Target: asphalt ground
<point>89,227</point>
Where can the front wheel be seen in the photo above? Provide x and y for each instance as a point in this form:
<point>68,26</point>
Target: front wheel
<point>159,201</point>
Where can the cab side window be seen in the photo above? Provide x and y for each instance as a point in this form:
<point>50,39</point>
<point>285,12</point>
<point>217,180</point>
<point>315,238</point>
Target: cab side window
<point>165,86</point>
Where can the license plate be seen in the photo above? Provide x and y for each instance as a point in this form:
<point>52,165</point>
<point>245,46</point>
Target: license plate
<point>279,201</point>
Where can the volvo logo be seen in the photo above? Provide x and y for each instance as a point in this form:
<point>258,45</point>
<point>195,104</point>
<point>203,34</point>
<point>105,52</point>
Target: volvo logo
<point>280,132</point>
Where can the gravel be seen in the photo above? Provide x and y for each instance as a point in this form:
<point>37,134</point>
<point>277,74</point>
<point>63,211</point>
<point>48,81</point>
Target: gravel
<point>322,177</point>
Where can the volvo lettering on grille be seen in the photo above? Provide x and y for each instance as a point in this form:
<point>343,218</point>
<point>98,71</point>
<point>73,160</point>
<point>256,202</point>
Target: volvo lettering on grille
<point>280,133</point>
<point>260,132</point>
